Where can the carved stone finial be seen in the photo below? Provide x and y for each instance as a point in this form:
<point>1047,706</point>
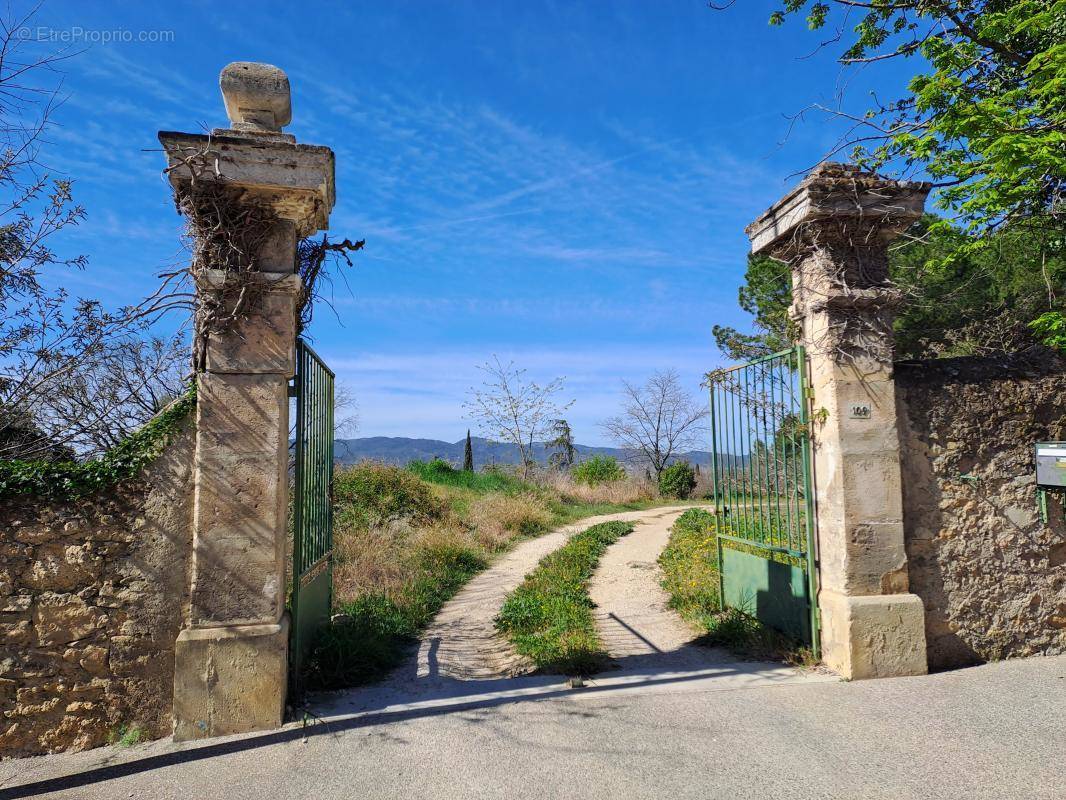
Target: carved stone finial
<point>257,96</point>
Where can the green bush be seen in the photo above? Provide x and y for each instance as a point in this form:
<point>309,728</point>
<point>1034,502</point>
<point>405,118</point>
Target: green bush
<point>372,492</point>
<point>442,473</point>
<point>549,616</point>
<point>677,480</point>
<point>597,470</point>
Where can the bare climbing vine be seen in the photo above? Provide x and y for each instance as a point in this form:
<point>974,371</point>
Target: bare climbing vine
<point>311,256</point>
<point>226,229</point>
<point>226,232</point>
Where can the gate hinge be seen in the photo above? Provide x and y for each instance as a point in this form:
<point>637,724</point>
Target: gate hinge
<point>293,392</point>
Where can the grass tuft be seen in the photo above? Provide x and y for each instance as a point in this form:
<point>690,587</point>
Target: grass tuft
<point>548,617</point>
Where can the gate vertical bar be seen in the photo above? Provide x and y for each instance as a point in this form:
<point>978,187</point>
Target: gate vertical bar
<point>811,545</point>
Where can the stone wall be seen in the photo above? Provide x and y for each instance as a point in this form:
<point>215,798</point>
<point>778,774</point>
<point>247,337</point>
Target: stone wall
<point>990,572</point>
<point>92,596</point>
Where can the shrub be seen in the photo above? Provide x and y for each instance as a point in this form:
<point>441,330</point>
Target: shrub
<point>372,492</point>
<point>677,480</point>
<point>442,473</point>
<point>597,470</point>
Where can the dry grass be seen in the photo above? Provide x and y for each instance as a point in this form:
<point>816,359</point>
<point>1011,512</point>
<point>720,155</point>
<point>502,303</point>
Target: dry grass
<point>498,519</point>
<point>624,492</point>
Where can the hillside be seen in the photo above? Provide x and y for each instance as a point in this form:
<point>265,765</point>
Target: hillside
<point>401,450</point>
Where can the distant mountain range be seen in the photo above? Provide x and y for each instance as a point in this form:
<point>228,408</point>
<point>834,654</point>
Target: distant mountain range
<point>400,451</point>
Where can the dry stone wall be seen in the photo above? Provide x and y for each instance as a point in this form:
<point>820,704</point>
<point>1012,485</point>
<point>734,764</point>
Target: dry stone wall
<point>990,572</point>
<point>92,596</point>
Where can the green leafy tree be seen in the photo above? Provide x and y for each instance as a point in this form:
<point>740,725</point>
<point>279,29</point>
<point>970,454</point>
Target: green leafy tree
<point>984,116</point>
<point>958,301</point>
<point>598,469</point>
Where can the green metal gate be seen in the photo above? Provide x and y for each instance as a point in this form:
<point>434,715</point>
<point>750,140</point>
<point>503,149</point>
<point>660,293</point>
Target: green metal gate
<point>312,550</point>
<point>764,520</point>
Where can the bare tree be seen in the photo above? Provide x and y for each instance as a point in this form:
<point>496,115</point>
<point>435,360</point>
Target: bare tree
<point>658,421</point>
<point>346,410</point>
<point>510,408</point>
<point>74,377</point>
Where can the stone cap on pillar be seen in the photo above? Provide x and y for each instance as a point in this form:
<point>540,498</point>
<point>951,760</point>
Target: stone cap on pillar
<point>296,180</point>
<point>839,191</point>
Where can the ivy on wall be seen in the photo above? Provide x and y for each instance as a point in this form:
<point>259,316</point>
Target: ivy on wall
<point>69,479</point>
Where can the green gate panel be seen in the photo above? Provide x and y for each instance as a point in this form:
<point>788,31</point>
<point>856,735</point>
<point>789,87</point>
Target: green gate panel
<point>312,507</point>
<point>772,592</point>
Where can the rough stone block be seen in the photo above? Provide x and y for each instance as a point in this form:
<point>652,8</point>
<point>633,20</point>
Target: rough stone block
<point>873,636</point>
<point>230,680</point>
<point>265,340</point>
<point>241,500</point>
<point>61,567</point>
<point>296,180</point>
<point>63,618</point>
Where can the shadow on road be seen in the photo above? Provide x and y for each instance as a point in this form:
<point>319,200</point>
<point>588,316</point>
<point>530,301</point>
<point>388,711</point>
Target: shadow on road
<point>435,697</point>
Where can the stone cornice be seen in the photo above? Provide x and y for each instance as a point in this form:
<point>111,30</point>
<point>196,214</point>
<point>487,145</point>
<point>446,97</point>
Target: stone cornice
<point>296,180</point>
<point>836,191</point>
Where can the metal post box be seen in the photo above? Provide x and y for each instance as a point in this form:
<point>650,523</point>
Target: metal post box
<point>1051,466</point>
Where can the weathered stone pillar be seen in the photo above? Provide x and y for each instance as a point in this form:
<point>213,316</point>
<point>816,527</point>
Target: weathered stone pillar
<point>834,230</point>
<point>232,658</point>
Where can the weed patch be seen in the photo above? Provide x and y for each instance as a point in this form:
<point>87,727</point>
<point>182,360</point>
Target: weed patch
<point>549,616</point>
<point>374,631</point>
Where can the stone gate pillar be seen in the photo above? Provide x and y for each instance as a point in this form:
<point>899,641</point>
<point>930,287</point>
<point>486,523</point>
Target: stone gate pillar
<point>231,665</point>
<point>834,230</point>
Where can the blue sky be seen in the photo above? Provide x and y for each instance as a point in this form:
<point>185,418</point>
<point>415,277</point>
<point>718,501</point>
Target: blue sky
<point>563,184</point>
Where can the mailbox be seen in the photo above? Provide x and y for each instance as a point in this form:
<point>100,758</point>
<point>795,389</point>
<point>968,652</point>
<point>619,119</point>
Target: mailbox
<point>1051,466</point>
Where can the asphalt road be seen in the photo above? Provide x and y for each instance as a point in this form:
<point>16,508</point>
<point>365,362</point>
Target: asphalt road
<point>728,731</point>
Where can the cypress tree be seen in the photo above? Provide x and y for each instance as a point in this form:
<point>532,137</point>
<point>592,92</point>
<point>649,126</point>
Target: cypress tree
<point>468,455</point>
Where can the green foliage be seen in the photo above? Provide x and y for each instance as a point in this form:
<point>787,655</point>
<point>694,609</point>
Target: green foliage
<point>958,301</point>
<point>985,118</point>
<point>690,567</point>
<point>598,469</point>
<point>677,480</point>
<point>549,616</point>
<point>1051,328</point>
<point>985,115</point>
<point>369,492</point>
<point>468,454</point>
<point>442,473</point>
<point>375,631</point>
<point>125,736</point>
<point>765,294</point>
<point>745,636</point>
<point>68,479</point>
